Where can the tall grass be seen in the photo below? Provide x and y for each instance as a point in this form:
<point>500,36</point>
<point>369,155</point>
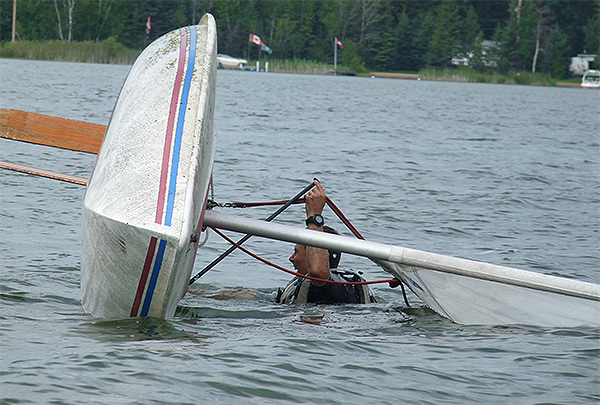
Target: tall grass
<point>107,51</point>
<point>299,66</point>
<point>464,74</point>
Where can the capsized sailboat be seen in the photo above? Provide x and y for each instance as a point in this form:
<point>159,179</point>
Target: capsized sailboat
<point>147,194</point>
<point>145,205</point>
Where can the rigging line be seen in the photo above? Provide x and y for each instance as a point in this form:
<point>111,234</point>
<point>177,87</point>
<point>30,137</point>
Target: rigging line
<point>337,212</point>
<point>259,204</point>
<point>243,249</point>
<point>352,229</point>
<point>248,236</point>
<point>343,218</point>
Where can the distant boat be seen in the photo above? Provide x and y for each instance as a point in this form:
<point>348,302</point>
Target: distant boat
<point>591,79</point>
<point>229,62</point>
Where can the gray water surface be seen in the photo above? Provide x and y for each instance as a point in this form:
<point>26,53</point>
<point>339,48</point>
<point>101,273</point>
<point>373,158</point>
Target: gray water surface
<point>504,174</point>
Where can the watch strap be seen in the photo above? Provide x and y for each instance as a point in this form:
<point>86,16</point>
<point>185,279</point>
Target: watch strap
<point>316,219</point>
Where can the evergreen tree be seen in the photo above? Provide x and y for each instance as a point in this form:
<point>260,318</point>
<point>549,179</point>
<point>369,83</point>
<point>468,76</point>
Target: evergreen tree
<point>349,57</point>
<point>385,57</point>
<point>470,33</point>
<point>592,31</point>
<point>445,40</point>
<point>424,25</point>
<point>517,38</point>
<point>404,43</point>
<point>555,59</point>
<point>526,30</point>
<point>378,42</point>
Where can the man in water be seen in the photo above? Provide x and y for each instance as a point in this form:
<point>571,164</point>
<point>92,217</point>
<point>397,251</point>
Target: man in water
<point>313,262</point>
<point>322,264</point>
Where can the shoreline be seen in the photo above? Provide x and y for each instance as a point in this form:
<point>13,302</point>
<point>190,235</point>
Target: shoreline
<point>406,76</point>
<point>442,75</point>
<point>461,79</point>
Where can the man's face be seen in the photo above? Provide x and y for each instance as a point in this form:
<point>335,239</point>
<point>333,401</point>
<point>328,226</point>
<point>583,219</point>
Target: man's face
<point>298,259</point>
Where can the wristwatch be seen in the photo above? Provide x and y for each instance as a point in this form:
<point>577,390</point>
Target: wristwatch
<point>316,219</point>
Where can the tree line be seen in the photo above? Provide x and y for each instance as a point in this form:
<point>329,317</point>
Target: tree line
<point>390,35</point>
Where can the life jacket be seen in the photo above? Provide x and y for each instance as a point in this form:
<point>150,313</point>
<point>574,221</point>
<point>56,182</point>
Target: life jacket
<point>301,290</point>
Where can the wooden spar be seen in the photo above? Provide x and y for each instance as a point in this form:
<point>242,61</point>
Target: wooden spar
<point>53,131</point>
<point>47,130</point>
<point>82,181</point>
<point>465,291</point>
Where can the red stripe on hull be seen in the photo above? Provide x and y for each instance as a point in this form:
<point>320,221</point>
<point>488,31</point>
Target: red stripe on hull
<point>144,277</point>
<point>162,190</point>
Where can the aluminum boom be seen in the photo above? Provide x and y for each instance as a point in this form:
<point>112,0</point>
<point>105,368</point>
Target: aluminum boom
<point>465,291</point>
<point>406,257</point>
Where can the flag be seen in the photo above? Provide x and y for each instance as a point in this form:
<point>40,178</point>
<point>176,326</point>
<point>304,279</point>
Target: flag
<point>337,42</point>
<point>266,49</point>
<point>148,26</point>
<point>256,39</point>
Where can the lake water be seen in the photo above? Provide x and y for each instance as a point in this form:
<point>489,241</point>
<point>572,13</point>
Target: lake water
<point>503,174</point>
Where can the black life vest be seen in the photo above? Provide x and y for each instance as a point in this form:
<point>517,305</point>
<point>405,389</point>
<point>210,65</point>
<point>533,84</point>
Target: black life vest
<point>302,290</point>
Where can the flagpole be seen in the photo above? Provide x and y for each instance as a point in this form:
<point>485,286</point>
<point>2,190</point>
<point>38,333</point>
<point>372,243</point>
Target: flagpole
<point>335,56</point>
<point>14,20</point>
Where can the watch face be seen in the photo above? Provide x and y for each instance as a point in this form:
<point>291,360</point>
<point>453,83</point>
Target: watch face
<point>318,219</point>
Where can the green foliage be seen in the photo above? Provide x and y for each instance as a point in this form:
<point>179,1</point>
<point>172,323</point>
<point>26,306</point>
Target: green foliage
<point>556,28</point>
<point>350,58</point>
<point>469,32</point>
<point>592,30</point>
<point>300,66</point>
<point>445,40</point>
<point>393,35</point>
<point>421,39</point>
<point>479,60</point>
<point>465,74</point>
<point>107,51</point>
<point>555,58</point>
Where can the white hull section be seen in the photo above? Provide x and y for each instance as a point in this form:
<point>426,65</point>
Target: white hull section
<point>147,194</point>
<point>591,79</point>
<point>465,291</point>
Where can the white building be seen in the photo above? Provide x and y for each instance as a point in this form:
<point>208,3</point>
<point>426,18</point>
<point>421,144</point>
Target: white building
<point>488,56</point>
<point>581,63</point>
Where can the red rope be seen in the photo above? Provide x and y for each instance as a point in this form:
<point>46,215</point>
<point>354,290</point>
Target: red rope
<point>330,203</point>
<point>296,273</point>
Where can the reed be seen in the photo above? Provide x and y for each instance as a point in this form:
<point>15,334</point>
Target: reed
<point>464,74</point>
<point>299,66</point>
<point>107,51</point>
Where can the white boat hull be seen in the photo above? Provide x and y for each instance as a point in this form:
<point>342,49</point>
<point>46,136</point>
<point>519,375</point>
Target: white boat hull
<point>591,79</point>
<point>465,291</point>
<point>470,300</point>
<point>147,194</point>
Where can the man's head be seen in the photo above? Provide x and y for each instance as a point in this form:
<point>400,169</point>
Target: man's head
<point>298,259</point>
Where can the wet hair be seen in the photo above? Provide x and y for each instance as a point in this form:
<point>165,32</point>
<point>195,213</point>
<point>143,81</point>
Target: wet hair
<point>334,257</point>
